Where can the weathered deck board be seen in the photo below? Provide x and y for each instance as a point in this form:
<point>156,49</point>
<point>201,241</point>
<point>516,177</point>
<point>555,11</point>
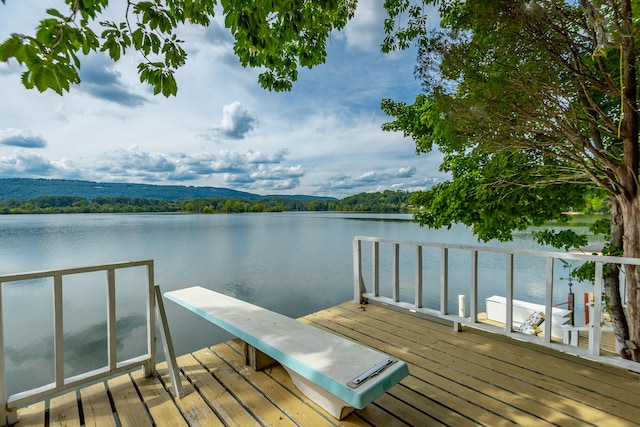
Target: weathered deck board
<point>64,410</point>
<point>467,378</point>
<point>130,409</point>
<point>551,386</point>
<point>158,401</point>
<point>96,406</point>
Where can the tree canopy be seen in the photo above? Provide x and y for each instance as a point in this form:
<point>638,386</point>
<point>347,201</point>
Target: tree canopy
<point>532,103</point>
<point>277,35</point>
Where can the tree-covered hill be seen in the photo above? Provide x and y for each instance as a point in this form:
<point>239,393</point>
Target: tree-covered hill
<point>25,189</point>
<point>19,196</point>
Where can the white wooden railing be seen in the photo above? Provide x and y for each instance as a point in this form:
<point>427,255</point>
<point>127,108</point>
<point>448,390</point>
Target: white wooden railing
<point>147,361</point>
<point>370,289</point>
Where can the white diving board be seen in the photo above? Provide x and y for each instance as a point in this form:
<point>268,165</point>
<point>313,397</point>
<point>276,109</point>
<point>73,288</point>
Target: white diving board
<point>336,373</point>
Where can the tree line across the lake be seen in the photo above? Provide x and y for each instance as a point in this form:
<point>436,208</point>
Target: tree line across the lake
<point>381,202</point>
<point>387,201</point>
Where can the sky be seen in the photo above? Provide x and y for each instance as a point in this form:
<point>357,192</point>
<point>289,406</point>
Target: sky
<point>323,138</point>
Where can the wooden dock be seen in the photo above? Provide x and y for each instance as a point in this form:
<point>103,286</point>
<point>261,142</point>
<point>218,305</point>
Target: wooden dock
<point>456,378</point>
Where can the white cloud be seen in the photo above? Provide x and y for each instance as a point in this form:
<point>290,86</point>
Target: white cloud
<point>101,80</point>
<point>237,121</point>
<point>258,157</point>
<point>23,163</point>
<point>20,138</point>
<point>366,31</point>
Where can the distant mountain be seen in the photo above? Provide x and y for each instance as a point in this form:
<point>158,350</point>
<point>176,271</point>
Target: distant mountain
<point>27,188</point>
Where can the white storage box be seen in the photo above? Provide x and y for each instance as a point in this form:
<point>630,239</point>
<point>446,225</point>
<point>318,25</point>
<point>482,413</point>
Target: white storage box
<point>497,311</point>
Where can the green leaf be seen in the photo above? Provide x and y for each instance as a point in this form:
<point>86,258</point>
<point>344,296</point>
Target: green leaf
<point>56,13</point>
<point>10,48</point>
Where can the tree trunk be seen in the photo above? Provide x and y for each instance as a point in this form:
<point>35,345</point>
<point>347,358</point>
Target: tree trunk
<point>612,282</point>
<point>631,215</point>
<point>628,200</point>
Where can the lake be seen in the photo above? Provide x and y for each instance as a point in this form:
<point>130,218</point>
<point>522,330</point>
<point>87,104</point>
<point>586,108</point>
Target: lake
<point>293,263</point>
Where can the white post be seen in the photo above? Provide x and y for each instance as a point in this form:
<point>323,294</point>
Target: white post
<point>473,303</point>
<point>3,389</point>
<point>418,290</point>
<point>596,326</point>
<point>112,347</point>
<point>396,272</point>
<point>358,284</point>
<point>149,368</point>
<point>375,268</point>
<point>548,301</point>
<point>444,281</point>
<point>462,306</point>
<point>508,323</point>
<point>58,330</point>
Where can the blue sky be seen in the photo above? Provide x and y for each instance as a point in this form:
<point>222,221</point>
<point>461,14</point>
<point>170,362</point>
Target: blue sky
<point>222,129</point>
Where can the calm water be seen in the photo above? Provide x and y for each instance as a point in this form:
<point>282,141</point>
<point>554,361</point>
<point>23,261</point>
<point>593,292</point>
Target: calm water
<point>292,263</point>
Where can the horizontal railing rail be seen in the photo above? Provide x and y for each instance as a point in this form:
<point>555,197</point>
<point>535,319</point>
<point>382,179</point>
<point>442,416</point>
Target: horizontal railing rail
<point>61,382</point>
<point>371,289</point>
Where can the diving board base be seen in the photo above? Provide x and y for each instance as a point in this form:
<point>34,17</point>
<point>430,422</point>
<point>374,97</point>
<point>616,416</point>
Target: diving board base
<point>327,401</point>
<point>259,361</point>
<point>256,359</point>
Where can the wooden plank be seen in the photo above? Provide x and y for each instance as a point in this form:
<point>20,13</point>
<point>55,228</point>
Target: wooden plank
<point>217,396</point>
<point>475,399</point>
<point>195,410</point>
<point>445,364</point>
<point>63,410</point>
<point>129,407</point>
<point>572,378</point>
<point>287,401</point>
<point>409,414</point>
<point>255,402</point>
<point>159,403</point>
<point>461,352</point>
<point>31,416</point>
<point>96,406</point>
<point>376,416</point>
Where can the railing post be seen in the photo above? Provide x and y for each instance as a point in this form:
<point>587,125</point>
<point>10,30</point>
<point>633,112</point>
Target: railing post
<point>509,293</point>
<point>396,272</point>
<point>595,336</point>
<point>358,283</point>
<point>112,349</point>
<point>548,301</point>
<point>473,304</point>
<point>444,281</point>
<point>58,330</point>
<point>3,382</point>
<point>149,367</point>
<point>418,290</point>
<point>375,268</point>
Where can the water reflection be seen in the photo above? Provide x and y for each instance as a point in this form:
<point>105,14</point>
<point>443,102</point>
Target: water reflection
<point>84,351</point>
<point>242,291</point>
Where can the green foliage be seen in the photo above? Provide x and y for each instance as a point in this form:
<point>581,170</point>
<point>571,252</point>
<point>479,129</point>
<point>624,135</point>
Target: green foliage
<point>524,137</point>
<point>389,201</point>
<point>566,239</point>
<point>278,36</point>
